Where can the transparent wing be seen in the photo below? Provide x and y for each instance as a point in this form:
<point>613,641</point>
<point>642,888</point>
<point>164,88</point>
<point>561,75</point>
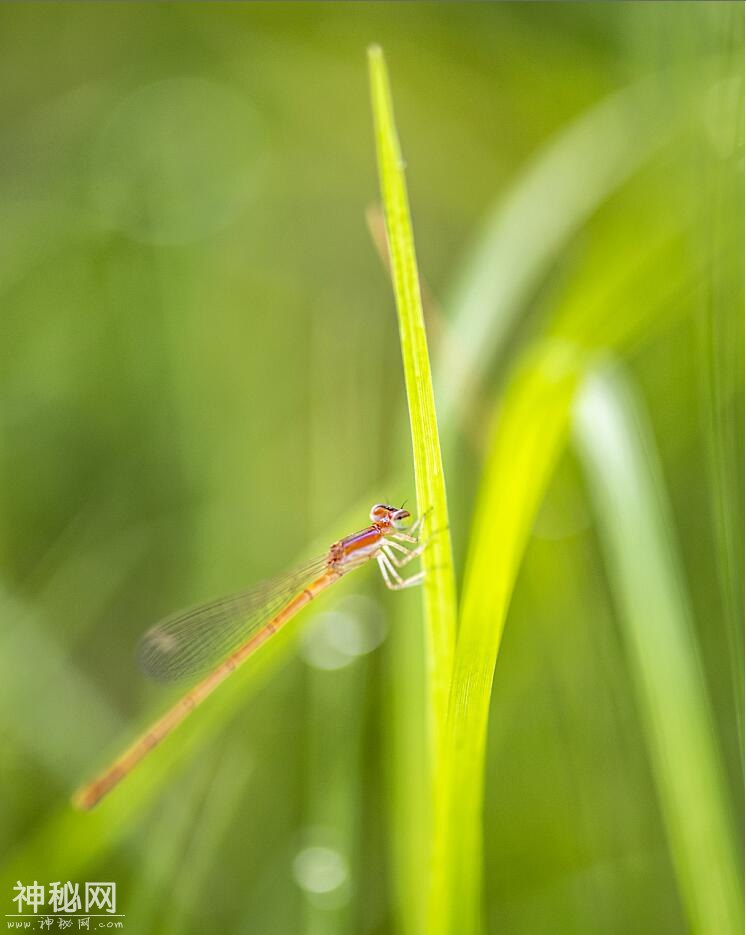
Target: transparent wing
<point>192,641</point>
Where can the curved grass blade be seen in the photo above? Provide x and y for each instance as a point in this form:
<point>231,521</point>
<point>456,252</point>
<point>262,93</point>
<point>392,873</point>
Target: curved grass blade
<point>531,224</point>
<point>619,453</point>
<point>530,433</point>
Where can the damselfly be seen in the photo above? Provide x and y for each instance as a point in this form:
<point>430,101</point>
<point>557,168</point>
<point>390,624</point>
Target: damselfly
<point>232,628</point>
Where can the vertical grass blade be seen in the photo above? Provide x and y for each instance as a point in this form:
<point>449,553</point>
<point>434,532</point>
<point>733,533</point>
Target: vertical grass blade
<point>439,589</point>
<point>618,450</point>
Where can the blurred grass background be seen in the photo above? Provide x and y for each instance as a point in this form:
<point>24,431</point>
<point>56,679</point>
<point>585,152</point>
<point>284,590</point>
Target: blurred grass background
<point>201,382</point>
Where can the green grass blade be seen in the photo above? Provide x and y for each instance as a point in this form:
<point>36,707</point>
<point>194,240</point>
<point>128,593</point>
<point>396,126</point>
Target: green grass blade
<point>530,226</point>
<point>618,450</point>
<point>406,756</point>
<point>439,589</point>
<point>533,222</point>
<point>530,434</point>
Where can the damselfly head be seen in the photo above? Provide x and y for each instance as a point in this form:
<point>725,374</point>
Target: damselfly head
<point>390,515</point>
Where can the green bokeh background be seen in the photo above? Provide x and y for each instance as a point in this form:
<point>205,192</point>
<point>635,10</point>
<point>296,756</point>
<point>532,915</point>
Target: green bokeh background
<point>200,381</point>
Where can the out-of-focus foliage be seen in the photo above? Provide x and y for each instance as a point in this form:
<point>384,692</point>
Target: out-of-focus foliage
<point>201,381</point>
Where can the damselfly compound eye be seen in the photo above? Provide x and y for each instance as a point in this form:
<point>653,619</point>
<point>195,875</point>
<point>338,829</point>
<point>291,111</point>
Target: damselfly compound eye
<point>400,519</point>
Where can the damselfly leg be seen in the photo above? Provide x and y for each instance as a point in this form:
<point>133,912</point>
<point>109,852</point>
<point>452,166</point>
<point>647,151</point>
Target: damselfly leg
<point>408,554</point>
<point>389,561</point>
<point>391,577</point>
